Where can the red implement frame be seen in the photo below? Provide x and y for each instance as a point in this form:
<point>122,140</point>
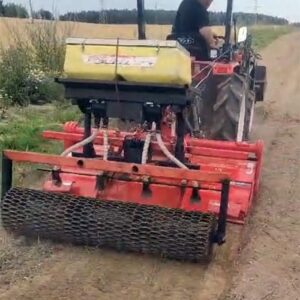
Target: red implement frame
<point>151,184</point>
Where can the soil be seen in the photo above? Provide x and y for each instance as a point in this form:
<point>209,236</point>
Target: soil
<point>261,261</point>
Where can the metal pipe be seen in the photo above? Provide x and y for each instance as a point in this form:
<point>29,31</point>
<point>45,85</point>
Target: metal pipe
<point>7,178</point>
<point>228,23</point>
<point>141,21</point>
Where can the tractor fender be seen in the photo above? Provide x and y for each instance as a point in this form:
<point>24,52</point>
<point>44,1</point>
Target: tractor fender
<point>260,79</point>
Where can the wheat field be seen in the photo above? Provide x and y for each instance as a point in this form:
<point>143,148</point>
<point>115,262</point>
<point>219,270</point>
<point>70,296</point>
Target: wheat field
<point>9,26</point>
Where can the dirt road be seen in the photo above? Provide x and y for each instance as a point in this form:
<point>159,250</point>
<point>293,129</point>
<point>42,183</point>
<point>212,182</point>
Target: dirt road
<point>259,262</point>
<point>269,267</point>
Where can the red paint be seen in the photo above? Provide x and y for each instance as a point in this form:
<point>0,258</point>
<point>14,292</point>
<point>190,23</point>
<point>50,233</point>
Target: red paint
<point>217,160</point>
<point>161,195</point>
<point>241,163</point>
<point>224,68</point>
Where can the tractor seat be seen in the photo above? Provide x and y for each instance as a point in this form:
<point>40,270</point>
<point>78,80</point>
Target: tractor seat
<point>193,43</point>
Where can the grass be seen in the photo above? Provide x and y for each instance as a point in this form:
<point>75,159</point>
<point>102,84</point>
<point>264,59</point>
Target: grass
<point>22,127</point>
<point>264,35</point>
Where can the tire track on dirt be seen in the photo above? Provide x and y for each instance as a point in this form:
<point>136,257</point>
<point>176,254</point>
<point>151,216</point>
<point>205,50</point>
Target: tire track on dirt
<point>269,266</point>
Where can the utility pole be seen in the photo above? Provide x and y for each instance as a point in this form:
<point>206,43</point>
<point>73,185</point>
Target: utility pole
<point>256,11</point>
<point>141,19</point>
<point>102,15</point>
<point>156,8</point>
<point>31,11</point>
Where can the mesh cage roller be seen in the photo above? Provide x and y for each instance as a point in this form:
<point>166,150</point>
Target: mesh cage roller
<point>170,233</point>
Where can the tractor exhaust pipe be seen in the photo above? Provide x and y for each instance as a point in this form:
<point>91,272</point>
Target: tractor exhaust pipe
<point>228,23</point>
<point>141,21</point>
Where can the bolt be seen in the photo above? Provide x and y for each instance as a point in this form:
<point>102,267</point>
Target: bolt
<point>184,182</point>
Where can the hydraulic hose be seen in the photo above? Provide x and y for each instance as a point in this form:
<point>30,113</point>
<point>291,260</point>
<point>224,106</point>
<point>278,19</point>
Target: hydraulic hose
<point>168,154</point>
<point>88,140</point>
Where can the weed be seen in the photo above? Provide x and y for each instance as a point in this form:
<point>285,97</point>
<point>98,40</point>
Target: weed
<point>264,35</point>
<point>22,129</point>
<point>35,56</point>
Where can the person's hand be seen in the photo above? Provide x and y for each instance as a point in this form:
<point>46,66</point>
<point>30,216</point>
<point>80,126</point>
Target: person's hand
<point>210,37</point>
<point>217,41</point>
<point>214,43</point>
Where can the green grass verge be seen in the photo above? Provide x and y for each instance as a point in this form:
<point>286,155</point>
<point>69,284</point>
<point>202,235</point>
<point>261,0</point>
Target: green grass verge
<point>22,127</point>
<point>265,35</point>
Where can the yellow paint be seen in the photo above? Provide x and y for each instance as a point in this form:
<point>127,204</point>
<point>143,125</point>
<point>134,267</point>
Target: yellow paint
<point>169,64</point>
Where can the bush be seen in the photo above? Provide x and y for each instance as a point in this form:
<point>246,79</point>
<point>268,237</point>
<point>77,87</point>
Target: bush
<point>30,63</point>
<point>14,75</point>
<point>22,83</point>
<point>48,45</point>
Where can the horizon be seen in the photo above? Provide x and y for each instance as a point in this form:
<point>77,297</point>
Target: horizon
<point>274,8</point>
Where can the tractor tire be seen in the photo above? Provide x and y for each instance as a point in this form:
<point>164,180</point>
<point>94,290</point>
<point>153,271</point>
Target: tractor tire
<point>229,111</point>
<point>249,117</point>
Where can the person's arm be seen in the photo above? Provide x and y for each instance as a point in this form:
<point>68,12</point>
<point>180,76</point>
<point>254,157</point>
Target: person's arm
<point>204,27</point>
<point>209,36</point>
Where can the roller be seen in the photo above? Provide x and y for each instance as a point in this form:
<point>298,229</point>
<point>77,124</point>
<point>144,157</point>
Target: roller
<point>169,233</point>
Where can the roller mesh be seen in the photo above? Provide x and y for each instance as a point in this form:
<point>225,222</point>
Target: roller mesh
<point>169,233</point>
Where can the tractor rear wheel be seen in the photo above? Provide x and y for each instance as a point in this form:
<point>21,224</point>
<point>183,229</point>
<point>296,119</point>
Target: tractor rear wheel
<point>228,120</point>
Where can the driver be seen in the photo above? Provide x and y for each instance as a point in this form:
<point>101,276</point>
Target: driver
<point>193,18</point>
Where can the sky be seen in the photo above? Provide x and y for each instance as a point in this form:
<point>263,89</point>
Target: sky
<point>289,9</point>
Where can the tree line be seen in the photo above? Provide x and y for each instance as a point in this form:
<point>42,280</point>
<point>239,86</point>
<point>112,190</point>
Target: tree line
<point>162,17</point>
<point>12,10</point>
<point>114,16</point>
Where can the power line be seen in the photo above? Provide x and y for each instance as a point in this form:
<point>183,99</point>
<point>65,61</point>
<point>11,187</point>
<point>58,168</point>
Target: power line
<point>102,12</point>
<point>257,7</point>
<point>31,10</point>
<point>256,11</point>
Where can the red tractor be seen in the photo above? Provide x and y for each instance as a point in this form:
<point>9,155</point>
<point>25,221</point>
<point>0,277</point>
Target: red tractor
<point>169,184</point>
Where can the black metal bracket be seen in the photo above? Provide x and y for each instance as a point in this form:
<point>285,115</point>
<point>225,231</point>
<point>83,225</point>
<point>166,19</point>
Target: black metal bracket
<point>88,149</point>
<point>101,181</point>
<point>228,24</point>
<point>222,223</point>
<point>195,198</point>
<point>147,193</point>
<point>55,174</point>
<point>7,176</point>
<point>180,131</point>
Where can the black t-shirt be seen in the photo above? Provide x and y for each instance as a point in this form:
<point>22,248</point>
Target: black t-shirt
<point>191,17</point>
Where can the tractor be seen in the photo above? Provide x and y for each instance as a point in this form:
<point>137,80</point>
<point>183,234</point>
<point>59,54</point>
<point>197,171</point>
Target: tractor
<point>170,183</point>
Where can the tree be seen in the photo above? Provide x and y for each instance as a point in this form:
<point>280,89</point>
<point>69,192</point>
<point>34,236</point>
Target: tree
<point>12,10</point>
<point>43,14</point>
<point>163,17</point>
<point>1,8</point>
